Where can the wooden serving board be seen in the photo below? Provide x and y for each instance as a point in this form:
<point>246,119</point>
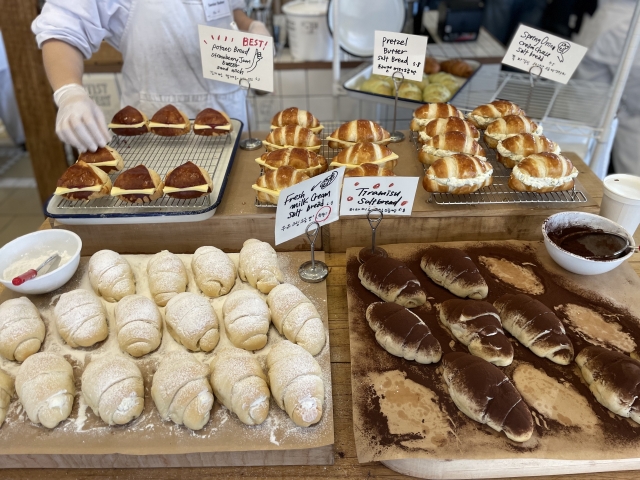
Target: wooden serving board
<point>404,416</point>
<point>84,441</point>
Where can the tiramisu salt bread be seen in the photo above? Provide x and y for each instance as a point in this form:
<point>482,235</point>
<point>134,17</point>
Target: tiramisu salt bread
<point>392,281</point>
<point>454,270</point>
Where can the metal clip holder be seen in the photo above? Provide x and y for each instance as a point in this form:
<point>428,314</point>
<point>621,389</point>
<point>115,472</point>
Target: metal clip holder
<point>313,271</point>
<point>533,79</point>
<point>248,143</point>
<point>398,78</point>
<point>367,252</point>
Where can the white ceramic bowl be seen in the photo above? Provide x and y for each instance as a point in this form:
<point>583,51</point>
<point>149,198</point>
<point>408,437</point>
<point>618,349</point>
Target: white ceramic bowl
<point>575,263</point>
<point>38,244</point>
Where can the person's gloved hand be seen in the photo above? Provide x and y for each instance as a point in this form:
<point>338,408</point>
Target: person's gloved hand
<point>259,28</point>
<point>80,122</point>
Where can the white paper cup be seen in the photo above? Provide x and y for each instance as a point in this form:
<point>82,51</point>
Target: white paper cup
<point>621,200</point>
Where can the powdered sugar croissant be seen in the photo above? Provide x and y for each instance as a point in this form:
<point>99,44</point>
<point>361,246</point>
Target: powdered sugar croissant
<point>80,318</point>
<point>138,325</point>
<point>259,265</point>
<point>111,275</point>
<point>6,392</point>
<point>21,329</point>
<point>167,277</point>
<point>246,319</point>
<point>214,271</point>
<point>192,322</point>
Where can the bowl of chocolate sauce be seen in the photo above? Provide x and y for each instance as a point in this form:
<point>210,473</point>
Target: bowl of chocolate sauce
<point>585,243</point>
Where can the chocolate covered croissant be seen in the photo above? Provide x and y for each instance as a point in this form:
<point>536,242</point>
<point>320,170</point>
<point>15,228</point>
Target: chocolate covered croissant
<point>138,185</point>
<point>458,174</point>
<point>83,182</point>
<point>454,270</point>
<point>212,123</point>
<point>292,136</point>
<point>358,131</point>
<point>296,116</point>
<point>392,281</point>
<point>447,144</point>
<point>543,172</point>
<point>187,181</point>
<point>105,158</point>
<point>169,122</point>
<point>129,122</point>
<point>269,185</point>
<point>424,114</point>
<point>366,152</point>
<point>299,158</point>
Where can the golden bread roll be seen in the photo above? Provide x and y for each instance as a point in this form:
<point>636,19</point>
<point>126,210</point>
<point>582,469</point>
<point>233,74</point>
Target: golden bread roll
<point>451,84</point>
<point>435,92</point>
<point>431,65</point>
<point>292,136</point>
<point>457,67</point>
<point>358,131</point>
<point>299,158</point>
<point>410,91</point>
<point>507,126</point>
<point>212,123</point>
<point>418,83</point>
<point>129,122</point>
<point>377,86</point>
<point>366,152</point>
<point>513,149</point>
<point>459,173</point>
<point>296,116</point>
<point>105,158</point>
<point>440,77</point>
<point>543,172</point>
<point>269,185</point>
<point>424,114</point>
<point>169,122</point>
<point>483,115</point>
<point>187,181</point>
<point>447,144</point>
<point>438,126</point>
<point>83,182</point>
<point>138,185</point>
<point>369,170</point>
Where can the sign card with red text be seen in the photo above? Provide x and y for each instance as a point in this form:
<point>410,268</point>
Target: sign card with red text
<point>543,54</point>
<point>399,52</point>
<point>230,55</point>
<point>391,195</point>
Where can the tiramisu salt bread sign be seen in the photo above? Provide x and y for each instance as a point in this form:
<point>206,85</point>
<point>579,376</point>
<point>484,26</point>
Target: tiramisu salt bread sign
<point>391,195</point>
<point>399,52</point>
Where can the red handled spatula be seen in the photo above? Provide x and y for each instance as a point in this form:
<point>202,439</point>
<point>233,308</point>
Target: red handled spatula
<point>33,273</point>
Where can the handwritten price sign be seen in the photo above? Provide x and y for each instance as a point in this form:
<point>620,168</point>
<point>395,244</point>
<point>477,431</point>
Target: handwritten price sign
<point>541,53</point>
<point>398,51</point>
<point>314,200</point>
<point>229,56</point>
<point>392,195</point>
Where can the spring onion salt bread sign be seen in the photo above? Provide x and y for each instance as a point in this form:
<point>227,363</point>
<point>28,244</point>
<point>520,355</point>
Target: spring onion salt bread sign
<point>399,52</point>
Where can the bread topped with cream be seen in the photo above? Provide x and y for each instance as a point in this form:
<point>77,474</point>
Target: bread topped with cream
<point>105,158</point>
<point>508,126</point>
<point>272,182</point>
<point>292,136</point>
<point>129,122</point>
<point>212,123</point>
<point>424,114</point>
<point>358,131</point>
<point>543,172</point>
<point>307,161</point>
<point>447,144</point>
<point>459,174</point>
<point>187,181</point>
<point>169,122</point>
<point>513,149</point>
<point>296,116</point>
<point>82,181</point>
<point>366,152</point>
<point>483,115</point>
<point>138,185</point>
<point>438,126</point>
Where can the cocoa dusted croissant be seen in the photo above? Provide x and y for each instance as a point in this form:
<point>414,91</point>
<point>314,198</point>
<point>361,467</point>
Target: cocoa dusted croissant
<point>292,136</point>
<point>138,185</point>
<point>453,269</point>
<point>269,185</point>
<point>392,281</point>
<point>358,131</point>
<point>459,174</point>
<point>438,126</point>
<point>170,122</point>
<point>513,149</point>
<point>485,114</point>
<point>299,158</point>
<point>543,172</point>
<point>105,158</point>
<point>187,181</point>
<point>424,114</point>
<point>457,67</point>
<point>296,116</point>
<point>366,152</point>
<point>369,170</point>
<point>447,144</point>
<point>129,122</point>
<point>212,123</point>
<point>508,125</point>
<point>83,182</point>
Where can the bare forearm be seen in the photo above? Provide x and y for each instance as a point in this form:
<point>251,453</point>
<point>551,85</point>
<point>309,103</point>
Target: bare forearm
<point>62,62</point>
<point>242,20</point>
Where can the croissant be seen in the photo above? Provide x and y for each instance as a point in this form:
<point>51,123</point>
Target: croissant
<point>192,322</point>
<point>304,160</point>
<point>6,392</point>
<point>366,152</point>
<point>269,185</point>
<point>296,382</point>
<point>508,125</point>
<point>80,318</point>
<point>167,277</point>
<point>21,329</point>
<point>296,317</point>
<point>457,67</point>
<point>482,392</point>
<point>292,136</point>
<point>46,389</point>
<point>296,116</point>
<point>138,325</point>
<point>402,333</point>
<point>111,276</point>
<point>424,114</point>
<point>447,144</point>
<point>485,114</point>
<point>181,391</point>
<point>535,326</point>
<point>392,281</point>
<point>458,174</point>
<point>439,126</point>
<point>214,272</point>
<point>454,270</point>
<point>259,265</point>
<point>513,149</point>
<point>543,172</point>
<point>358,131</point>
<point>113,387</point>
<point>240,384</point>
<point>246,319</point>
<point>431,65</point>
<point>369,170</point>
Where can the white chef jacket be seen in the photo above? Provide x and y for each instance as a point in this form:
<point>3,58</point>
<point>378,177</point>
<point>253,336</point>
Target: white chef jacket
<point>159,44</point>
<point>604,34</point>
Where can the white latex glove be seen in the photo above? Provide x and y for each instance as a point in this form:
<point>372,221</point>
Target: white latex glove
<point>80,122</point>
<point>259,28</point>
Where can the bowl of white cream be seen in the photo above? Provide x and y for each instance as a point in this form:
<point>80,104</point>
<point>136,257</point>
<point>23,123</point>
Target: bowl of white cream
<point>31,250</point>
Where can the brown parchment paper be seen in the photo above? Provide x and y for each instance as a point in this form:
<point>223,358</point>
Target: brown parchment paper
<point>402,409</point>
<point>85,433</point>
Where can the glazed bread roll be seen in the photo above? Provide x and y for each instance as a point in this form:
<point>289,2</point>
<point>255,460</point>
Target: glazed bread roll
<point>296,383</point>
<point>170,122</point>
<point>167,277</point>
<point>187,181</point>
<point>46,389</point>
<point>240,384</point>
<point>477,326</point>
<point>296,317</point>
<point>535,326</point>
<point>369,170</point>
<point>214,272</point>
<point>454,270</point>
<point>111,276</point>
<point>424,114</point>
<point>392,281</point>
<point>269,185</point>
<point>138,325</point>
<point>431,65</point>
<point>181,391</point>
<point>21,329</point>
<point>543,172</point>
<point>6,392</point>
<point>105,158</point>
<point>418,83</point>
<point>458,174</point>
<point>292,136</point>
<point>440,77</point>
<point>192,322</point>
<point>259,265</point>
<point>512,150</point>
<point>507,126</point>
<point>303,160</point>
<point>80,318</point>
<point>113,387</point>
<point>377,86</point>
<point>402,333</point>
<point>482,392</point>
<point>83,182</point>
<point>366,152</point>
<point>138,185</point>
<point>485,114</point>
<point>212,123</point>
<point>410,91</point>
<point>435,92</point>
<point>129,122</point>
<point>447,144</point>
<point>457,67</point>
<point>246,319</point>
<point>439,126</point>
<point>296,116</point>
<point>358,131</point>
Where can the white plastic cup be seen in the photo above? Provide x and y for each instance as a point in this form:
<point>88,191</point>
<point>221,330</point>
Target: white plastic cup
<point>621,200</point>
<point>307,29</point>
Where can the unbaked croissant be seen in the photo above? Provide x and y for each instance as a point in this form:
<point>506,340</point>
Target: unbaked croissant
<point>392,281</point>
<point>296,116</point>
<point>167,277</point>
<point>111,275</point>
<point>299,158</point>
<point>246,319</point>
<point>424,114</point>
<point>507,126</point>
<point>214,272</point>
<point>447,144</point>
<point>458,174</point>
<point>292,136</point>
<point>21,329</point>
<point>138,325</point>
<point>259,265</point>
<point>46,389</point>
<point>271,182</point>
<point>366,152</point>
<point>513,149</point>
<point>439,126</point>
<point>543,172</point>
<point>296,382</point>
<point>192,322</point>
<point>6,392</point>
<point>80,318</point>
<point>240,384</point>
<point>358,131</point>
<point>114,389</point>
<point>454,270</point>
<point>296,317</point>
<point>181,391</point>
<point>369,170</point>
<point>457,67</point>
<point>483,115</point>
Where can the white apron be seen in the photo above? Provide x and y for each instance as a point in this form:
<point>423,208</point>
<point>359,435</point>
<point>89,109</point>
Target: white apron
<point>162,61</point>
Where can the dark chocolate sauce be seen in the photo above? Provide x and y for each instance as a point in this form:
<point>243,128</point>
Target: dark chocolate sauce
<point>591,243</point>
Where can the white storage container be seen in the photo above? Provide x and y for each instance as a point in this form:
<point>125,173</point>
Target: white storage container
<point>309,37</point>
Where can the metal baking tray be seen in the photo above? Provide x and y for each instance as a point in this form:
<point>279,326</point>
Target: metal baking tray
<point>214,154</point>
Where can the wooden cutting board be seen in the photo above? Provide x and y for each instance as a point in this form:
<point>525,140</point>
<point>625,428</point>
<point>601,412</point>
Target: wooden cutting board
<point>404,417</point>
